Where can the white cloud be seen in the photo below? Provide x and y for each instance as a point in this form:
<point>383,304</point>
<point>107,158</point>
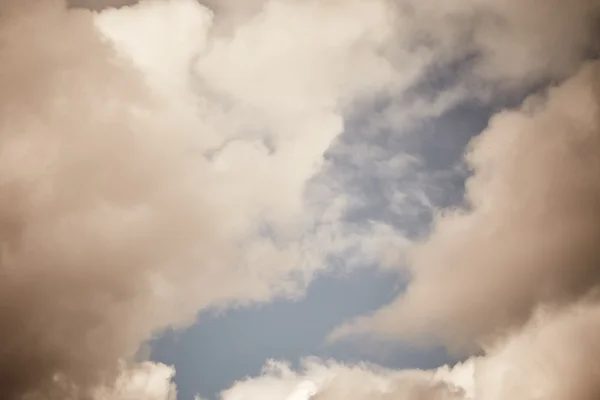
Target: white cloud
<point>528,236</point>
<point>137,176</point>
<point>148,381</point>
<point>553,357</point>
<point>158,157</point>
<point>324,380</point>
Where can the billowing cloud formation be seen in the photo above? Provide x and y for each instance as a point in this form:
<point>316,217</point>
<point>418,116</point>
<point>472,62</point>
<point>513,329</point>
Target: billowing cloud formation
<point>554,357</point>
<point>530,234</point>
<point>140,182</point>
<point>165,157</point>
<point>331,381</point>
<point>515,274</point>
<point>148,381</point>
<point>513,41</point>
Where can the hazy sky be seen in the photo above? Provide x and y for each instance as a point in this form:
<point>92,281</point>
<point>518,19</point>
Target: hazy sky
<point>299,199</point>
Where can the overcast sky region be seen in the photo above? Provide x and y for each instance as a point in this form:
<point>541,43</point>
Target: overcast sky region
<point>299,200</point>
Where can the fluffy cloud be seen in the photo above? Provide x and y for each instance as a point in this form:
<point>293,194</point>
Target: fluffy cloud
<point>529,234</point>
<point>141,183</point>
<point>331,381</point>
<point>528,301</point>
<point>167,156</point>
<point>514,275</point>
<point>554,357</point>
<point>148,381</point>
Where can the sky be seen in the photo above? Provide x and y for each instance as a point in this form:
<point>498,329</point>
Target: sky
<point>238,342</point>
<point>299,199</point>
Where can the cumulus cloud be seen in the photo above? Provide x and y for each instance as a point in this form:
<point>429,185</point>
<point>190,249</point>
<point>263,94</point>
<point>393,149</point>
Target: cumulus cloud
<point>529,234</point>
<point>147,381</point>
<point>554,357</point>
<point>142,180</point>
<point>514,274</point>
<point>161,157</point>
<point>98,5</point>
<point>514,41</point>
<point>327,380</point>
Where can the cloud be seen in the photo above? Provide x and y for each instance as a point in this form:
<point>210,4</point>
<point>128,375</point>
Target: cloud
<point>98,5</point>
<point>327,380</point>
<point>103,214</point>
<point>528,236</point>
<point>164,157</point>
<point>148,381</point>
<point>514,274</point>
<point>142,180</point>
<point>554,357</point>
